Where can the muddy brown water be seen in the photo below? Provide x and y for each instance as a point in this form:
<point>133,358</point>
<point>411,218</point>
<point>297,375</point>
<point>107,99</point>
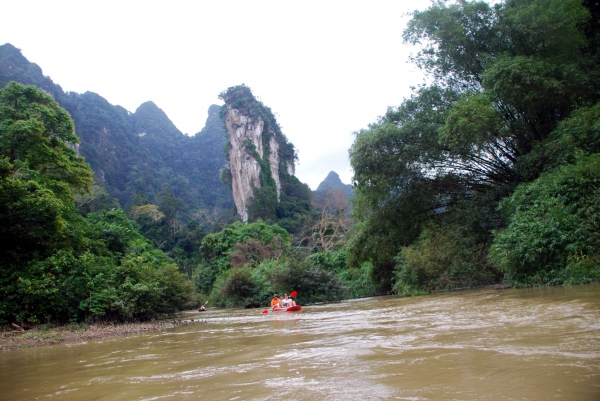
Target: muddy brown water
<point>526,344</point>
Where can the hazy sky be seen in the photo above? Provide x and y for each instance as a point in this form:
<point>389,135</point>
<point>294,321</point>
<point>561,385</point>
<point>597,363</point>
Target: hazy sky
<point>326,68</point>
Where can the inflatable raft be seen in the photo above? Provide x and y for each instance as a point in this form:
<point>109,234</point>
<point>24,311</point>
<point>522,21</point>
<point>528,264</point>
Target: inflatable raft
<point>289,309</point>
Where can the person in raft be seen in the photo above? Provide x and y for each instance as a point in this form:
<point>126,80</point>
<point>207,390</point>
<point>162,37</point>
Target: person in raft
<point>287,301</point>
<point>275,302</point>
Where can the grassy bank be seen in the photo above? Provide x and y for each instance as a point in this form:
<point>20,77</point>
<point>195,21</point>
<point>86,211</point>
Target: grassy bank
<point>12,338</point>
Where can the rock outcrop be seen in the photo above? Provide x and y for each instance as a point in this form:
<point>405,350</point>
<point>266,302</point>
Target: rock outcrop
<point>255,144</point>
<point>244,135</point>
<point>274,164</point>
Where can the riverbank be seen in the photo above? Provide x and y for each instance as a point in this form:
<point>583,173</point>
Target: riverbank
<point>12,338</point>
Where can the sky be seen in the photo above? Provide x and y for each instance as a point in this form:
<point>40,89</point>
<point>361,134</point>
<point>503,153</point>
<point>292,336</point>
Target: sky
<point>326,68</point>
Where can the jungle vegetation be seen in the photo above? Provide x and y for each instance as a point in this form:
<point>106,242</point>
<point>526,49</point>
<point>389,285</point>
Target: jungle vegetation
<point>55,264</point>
<point>167,183</point>
<point>489,172</point>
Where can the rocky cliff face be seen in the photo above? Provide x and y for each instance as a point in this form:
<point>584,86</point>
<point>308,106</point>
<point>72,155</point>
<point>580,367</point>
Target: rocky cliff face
<point>258,151</point>
<point>243,133</point>
<point>274,164</point>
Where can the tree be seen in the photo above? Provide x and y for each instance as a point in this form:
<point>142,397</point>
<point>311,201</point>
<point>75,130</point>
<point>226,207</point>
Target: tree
<point>54,264</point>
<point>252,253</point>
<point>95,200</point>
<point>37,136</point>
<point>31,220</point>
<point>149,211</point>
<point>40,173</point>
<point>503,78</point>
<point>169,205</point>
<point>247,243</point>
<point>553,227</point>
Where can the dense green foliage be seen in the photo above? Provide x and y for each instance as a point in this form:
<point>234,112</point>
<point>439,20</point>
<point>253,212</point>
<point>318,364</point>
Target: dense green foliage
<point>244,264</point>
<point>142,159</point>
<point>169,185</point>
<point>163,224</point>
<point>39,172</point>
<point>217,249</point>
<point>314,284</point>
<point>488,173</point>
<point>56,265</point>
<point>511,96</point>
<point>553,227</point>
<point>36,139</point>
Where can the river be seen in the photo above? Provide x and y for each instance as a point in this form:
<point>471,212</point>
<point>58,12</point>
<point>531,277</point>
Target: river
<point>513,344</point>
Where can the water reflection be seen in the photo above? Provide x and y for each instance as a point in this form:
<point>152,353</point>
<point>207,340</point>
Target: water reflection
<point>533,344</point>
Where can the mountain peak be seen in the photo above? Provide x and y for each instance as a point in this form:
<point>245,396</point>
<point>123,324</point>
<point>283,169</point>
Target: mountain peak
<point>151,107</point>
<point>151,119</point>
<point>333,181</point>
<point>333,178</point>
<point>214,116</point>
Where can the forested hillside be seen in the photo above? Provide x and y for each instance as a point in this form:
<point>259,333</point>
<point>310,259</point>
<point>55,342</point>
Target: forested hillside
<point>56,265</point>
<point>490,172</point>
<point>140,152</point>
<point>72,252</point>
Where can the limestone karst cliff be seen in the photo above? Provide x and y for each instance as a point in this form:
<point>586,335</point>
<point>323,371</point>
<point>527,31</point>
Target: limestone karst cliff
<point>244,167</point>
<point>261,160</point>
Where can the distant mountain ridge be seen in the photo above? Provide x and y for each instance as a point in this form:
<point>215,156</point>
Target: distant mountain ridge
<point>333,181</point>
<point>136,152</point>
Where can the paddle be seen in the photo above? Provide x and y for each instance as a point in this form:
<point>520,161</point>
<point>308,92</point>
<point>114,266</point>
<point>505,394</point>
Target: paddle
<point>293,294</point>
